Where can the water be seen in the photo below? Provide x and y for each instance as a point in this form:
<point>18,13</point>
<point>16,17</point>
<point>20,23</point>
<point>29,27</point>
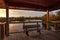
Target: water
<point>19,27</point>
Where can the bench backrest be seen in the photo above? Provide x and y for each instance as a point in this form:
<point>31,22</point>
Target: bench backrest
<point>31,26</point>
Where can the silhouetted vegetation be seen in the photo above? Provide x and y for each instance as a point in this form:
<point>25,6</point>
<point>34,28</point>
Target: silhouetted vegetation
<point>58,19</point>
<point>52,17</point>
<point>58,16</point>
<point>3,19</point>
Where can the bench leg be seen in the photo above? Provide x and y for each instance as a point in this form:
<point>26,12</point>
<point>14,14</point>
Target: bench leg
<point>39,31</point>
<point>27,33</point>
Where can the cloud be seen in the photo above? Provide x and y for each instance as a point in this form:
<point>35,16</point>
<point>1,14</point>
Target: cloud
<point>26,13</point>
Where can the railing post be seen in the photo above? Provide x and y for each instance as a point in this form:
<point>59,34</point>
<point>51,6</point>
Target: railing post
<point>7,22</point>
<point>47,23</point>
<point>23,25</point>
<point>55,25</point>
<point>25,29</point>
<point>1,31</point>
<point>37,27</point>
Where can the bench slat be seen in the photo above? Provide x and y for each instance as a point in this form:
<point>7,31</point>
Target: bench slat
<point>30,26</point>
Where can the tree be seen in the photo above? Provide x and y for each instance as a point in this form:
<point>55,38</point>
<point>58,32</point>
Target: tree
<point>51,17</point>
<point>58,16</point>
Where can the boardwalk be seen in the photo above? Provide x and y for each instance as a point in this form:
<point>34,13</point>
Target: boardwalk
<point>46,35</point>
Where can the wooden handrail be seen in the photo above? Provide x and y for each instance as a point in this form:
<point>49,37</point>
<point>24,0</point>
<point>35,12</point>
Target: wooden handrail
<point>2,31</point>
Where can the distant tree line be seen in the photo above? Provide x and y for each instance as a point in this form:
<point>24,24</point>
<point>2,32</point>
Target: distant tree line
<point>3,19</point>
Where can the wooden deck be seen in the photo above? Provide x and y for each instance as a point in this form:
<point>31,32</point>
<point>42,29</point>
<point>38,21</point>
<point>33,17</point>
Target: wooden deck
<point>46,35</point>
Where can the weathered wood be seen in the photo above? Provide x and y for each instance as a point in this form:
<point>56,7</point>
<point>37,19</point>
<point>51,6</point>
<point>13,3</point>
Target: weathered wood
<point>47,24</point>
<point>31,26</point>
<point>2,31</point>
<point>26,22</point>
<point>7,21</point>
<point>26,27</point>
<point>46,35</point>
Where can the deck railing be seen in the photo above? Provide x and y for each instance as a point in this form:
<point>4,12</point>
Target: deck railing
<point>37,22</point>
<point>37,25</point>
<point>2,31</point>
<point>22,33</point>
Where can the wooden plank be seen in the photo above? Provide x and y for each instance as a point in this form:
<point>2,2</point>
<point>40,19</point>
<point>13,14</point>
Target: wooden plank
<point>2,31</point>
<point>31,26</point>
<point>7,21</point>
<point>47,23</point>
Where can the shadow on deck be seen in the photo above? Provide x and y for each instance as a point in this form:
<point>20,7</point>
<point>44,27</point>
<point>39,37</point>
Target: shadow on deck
<point>45,35</point>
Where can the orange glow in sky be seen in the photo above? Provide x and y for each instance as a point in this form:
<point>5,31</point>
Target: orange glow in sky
<point>25,13</point>
<point>2,13</point>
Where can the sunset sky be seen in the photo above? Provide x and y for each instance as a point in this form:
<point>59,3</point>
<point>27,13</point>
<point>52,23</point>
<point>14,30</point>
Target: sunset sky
<point>25,13</point>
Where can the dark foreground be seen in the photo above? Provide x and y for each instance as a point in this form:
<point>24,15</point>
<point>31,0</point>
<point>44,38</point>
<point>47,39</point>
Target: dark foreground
<point>45,35</point>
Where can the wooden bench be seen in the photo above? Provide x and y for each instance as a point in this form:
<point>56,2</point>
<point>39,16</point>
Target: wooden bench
<point>32,27</point>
